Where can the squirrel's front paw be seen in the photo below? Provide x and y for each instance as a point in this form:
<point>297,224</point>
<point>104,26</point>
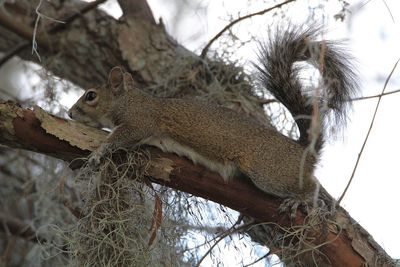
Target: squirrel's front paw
<point>290,206</point>
<point>96,156</point>
<point>94,159</point>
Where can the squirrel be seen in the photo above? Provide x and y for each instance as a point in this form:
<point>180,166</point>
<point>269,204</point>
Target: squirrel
<point>224,140</point>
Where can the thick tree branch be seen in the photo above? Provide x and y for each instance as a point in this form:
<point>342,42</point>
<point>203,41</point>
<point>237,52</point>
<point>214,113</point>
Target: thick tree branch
<point>137,9</point>
<point>345,244</point>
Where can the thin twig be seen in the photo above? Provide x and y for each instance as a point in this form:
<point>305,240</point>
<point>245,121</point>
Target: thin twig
<point>269,101</point>
<point>205,49</point>
<point>374,96</point>
<point>222,236</point>
<point>34,43</point>
<point>369,131</point>
<point>75,16</point>
<point>390,12</point>
<point>259,259</point>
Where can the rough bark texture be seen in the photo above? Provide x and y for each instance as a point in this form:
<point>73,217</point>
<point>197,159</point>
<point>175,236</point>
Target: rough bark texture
<point>82,51</point>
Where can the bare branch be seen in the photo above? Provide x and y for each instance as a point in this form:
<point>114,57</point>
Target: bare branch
<point>375,96</point>
<point>72,17</point>
<point>369,131</point>
<point>205,49</point>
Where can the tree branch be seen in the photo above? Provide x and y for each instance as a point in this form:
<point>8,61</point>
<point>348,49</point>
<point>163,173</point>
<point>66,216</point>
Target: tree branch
<point>137,9</point>
<point>230,25</point>
<point>345,244</point>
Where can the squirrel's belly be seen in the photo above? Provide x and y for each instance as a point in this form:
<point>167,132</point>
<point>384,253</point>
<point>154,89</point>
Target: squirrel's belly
<point>227,169</point>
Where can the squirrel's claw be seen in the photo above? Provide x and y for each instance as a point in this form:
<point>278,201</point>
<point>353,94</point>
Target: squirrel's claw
<point>290,206</point>
<point>96,156</point>
<point>94,159</point>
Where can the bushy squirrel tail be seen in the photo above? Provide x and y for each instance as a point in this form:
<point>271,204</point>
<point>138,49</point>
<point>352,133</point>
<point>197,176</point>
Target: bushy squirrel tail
<point>281,76</point>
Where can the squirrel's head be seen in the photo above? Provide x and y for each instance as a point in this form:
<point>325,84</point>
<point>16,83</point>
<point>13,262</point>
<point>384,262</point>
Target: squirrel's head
<point>93,107</point>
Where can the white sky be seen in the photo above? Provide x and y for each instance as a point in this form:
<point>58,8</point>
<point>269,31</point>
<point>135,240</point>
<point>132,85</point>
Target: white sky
<point>374,38</point>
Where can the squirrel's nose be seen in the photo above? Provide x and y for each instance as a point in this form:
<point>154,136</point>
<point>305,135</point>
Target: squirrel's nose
<point>70,113</point>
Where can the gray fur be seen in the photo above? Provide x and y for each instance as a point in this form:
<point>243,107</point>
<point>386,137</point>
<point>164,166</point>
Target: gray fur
<point>280,76</point>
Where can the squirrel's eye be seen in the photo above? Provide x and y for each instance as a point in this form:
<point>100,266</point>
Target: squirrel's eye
<point>90,96</point>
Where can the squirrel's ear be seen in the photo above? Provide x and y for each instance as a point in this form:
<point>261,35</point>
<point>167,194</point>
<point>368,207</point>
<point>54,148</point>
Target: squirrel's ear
<point>116,77</point>
<point>129,83</point>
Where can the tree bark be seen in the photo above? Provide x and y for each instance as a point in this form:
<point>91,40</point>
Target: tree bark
<point>82,51</point>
